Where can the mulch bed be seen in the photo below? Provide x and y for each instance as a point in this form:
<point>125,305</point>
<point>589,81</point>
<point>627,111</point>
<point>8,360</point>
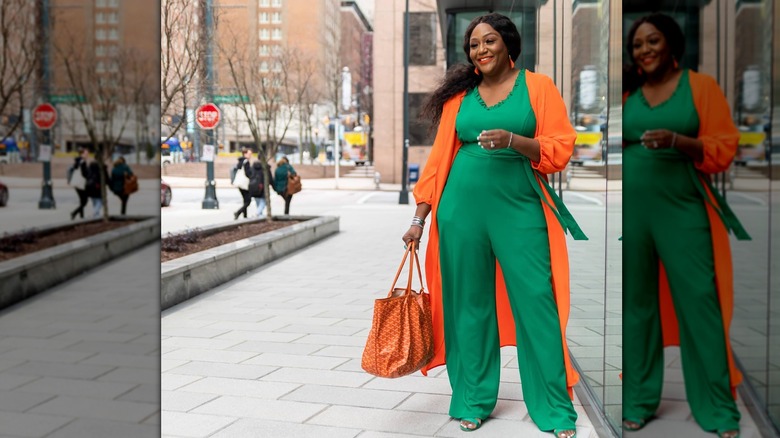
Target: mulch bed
<point>180,245</point>
<point>30,241</point>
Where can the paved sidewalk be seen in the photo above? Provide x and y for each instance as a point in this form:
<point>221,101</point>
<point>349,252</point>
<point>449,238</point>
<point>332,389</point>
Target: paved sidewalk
<point>277,352</point>
<point>82,359</point>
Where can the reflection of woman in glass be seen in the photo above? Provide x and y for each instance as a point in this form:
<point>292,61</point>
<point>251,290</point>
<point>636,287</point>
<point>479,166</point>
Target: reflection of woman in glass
<point>501,130</point>
<point>677,130</point>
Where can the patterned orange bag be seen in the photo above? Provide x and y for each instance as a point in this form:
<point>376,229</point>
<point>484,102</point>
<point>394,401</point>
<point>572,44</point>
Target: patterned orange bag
<point>401,338</point>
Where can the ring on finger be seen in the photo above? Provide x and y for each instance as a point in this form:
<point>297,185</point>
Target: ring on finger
<point>492,145</point>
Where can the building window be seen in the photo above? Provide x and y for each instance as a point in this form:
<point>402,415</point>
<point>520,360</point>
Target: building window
<point>264,67</point>
<point>100,50</point>
<point>101,3</point>
<point>113,34</point>
<point>113,50</point>
<point>277,66</point>
<point>100,18</point>
<point>418,130</point>
<point>265,3</point>
<point>277,17</point>
<point>264,34</point>
<point>100,34</point>
<point>264,50</point>
<point>264,17</point>
<point>100,67</point>
<point>277,35</point>
<point>113,3</point>
<point>113,17</point>
<point>277,3</point>
<point>422,30</point>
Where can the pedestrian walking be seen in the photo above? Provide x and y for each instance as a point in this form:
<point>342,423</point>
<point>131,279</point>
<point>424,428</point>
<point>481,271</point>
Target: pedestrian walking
<point>257,186</point>
<point>282,176</point>
<point>120,174</point>
<point>244,167</point>
<point>496,261</point>
<point>677,130</point>
<point>94,187</point>
<point>78,179</point>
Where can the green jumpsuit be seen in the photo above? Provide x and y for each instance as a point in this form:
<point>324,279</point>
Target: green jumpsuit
<point>664,216</point>
<point>490,209</point>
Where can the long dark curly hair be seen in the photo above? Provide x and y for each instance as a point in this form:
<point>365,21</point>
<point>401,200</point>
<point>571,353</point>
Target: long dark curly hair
<point>632,78</point>
<point>461,77</point>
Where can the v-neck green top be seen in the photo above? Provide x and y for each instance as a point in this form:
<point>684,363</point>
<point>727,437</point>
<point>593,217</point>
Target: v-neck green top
<point>514,114</point>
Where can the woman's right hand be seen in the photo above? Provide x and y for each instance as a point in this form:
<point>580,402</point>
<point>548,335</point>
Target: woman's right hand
<point>413,234</point>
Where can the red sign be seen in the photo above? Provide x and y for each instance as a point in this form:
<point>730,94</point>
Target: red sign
<point>44,116</point>
<point>207,116</point>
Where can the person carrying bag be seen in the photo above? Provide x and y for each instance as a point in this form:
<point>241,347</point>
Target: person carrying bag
<point>401,338</point>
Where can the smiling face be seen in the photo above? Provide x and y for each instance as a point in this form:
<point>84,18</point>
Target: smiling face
<point>650,49</point>
<point>487,50</point>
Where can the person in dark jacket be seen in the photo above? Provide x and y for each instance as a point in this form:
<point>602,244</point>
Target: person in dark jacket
<point>244,165</point>
<point>257,186</point>
<point>80,165</point>
<point>118,173</point>
<point>93,188</point>
<point>283,170</point>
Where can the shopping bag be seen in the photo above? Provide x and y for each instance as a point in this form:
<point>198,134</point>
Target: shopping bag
<point>76,179</point>
<point>400,341</point>
<point>240,180</point>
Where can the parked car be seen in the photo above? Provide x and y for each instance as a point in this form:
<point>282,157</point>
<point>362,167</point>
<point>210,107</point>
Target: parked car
<point>165,194</point>
<point>3,194</point>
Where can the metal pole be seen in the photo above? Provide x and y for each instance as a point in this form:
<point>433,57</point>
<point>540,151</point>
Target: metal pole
<point>47,193</point>
<point>210,201</point>
<point>403,197</point>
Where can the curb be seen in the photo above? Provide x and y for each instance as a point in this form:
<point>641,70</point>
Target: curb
<point>189,276</point>
<point>31,274</point>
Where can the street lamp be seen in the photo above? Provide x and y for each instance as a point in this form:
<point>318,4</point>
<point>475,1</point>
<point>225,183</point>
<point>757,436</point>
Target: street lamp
<point>403,197</point>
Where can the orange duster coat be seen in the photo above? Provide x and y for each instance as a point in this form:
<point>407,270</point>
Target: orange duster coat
<point>720,138</point>
<point>556,138</point>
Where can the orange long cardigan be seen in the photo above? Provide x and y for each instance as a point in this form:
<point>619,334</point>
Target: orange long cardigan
<point>720,138</point>
<point>556,137</point>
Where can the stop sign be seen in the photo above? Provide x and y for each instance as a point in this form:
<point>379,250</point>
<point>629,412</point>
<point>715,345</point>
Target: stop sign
<point>207,116</point>
<point>44,116</point>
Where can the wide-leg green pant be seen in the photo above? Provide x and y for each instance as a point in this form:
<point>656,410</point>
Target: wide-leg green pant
<point>490,211</point>
<point>664,217</point>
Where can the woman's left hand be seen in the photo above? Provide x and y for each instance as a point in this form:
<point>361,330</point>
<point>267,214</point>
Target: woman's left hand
<point>494,139</point>
<point>658,139</point>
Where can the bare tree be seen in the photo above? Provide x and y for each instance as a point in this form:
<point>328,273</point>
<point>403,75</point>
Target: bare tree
<point>274,85</point>
<point>19,55</point>
<point>181,59</point>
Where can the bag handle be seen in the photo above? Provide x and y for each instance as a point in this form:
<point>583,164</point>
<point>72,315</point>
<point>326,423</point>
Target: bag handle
<point>410,248</point>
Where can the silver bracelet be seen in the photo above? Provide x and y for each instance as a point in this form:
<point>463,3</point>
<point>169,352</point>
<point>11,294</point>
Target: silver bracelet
<point>415,224</point>
<point>674,139</point>
<point>509,145</point>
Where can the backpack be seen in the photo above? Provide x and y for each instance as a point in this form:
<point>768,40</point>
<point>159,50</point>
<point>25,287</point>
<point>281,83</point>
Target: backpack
<point>256,187</point>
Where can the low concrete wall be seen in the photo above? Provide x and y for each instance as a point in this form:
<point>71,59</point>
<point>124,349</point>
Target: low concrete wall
<point>192,275</point>
<point>23,277</point>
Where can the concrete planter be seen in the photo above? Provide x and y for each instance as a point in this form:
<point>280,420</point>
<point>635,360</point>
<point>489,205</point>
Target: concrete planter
<point>25,276</point>
<point>194,274</point>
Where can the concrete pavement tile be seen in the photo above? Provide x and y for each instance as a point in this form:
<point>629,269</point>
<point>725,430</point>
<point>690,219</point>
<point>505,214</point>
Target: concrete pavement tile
<point>182,424</point>
<point>200,332</point>
<point>153,419</point>
<point>347,314</point>
<point>127,360</point>
<point>32,332</point>
<point>244,370</point>
<point>415,384</point>
<point>250,428</point>
<point>95,335</point>
<point>510,391</point>
<point>431,403</point>
<point>275,347</point>
<point>170,381</point>
<point>240,387</point>
<point>204,355</point>
<point>347,396</point>
<point>132,375</point>
<point>15,401</point>
<point>6,364</point>
<point>81,407</point>
<point>81,428</point>
<point>306,320</point>
<point>673,410</point>
<point>265,336</point>
<point>168,364</point>
<point>319,329</point>
<point>175,342</point>
<point>685,429</point>
<point>43,355</point>
<point>351,365</point>
<point>266,325</point>
<point>183,401</point>
<point>295,361</point>
<point>238,314</point>
<point>381,420</point>
<point>332,340</point>
<point>147,393</point>
<point>182,322</point>
<point>77,387</point>
<point>31,425</point>
<point>11,380</point>
<point>509,375</point>
<point>13,342</point>
<point>341,351</point>
<point>377,434</point>
<point>513,410</point>
<point>304,376</point>
<point>251,407</point>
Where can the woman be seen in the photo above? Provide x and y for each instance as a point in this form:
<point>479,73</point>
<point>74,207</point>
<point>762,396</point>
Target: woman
<point>244,165</point>
<point>118,174</point>
<point>257,186</point>
<point>501,129</point>
<point>281,175</point>
<point>94,188</point>
<point>677,130</point>
<point>80,165</point>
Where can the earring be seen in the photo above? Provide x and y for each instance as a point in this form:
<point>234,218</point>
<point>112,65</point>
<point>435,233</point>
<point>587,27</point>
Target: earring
<point>476,71</point>
<point>511,63</point>
<point>676,65</point>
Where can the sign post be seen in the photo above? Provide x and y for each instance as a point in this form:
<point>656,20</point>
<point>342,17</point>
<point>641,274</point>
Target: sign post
<point>207,117</point>
<point>44,117</point>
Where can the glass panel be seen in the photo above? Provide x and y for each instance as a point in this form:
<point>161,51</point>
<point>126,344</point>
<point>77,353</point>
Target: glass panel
<point>774,260</point>
<point>422,30</point>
